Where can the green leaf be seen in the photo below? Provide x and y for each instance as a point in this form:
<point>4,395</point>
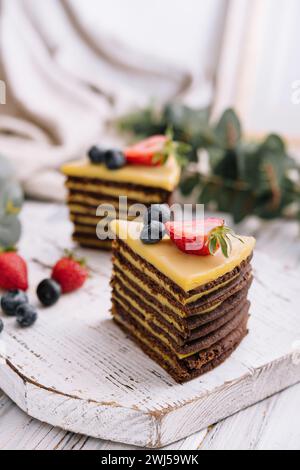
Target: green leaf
<point>212,245</point>
<point>189,184</point>
<point>11,197</point>
<point>224,246</point>
<point>225,199</point>
<point>228,130</point>
<point>209,193</point>
<point>242,205</point>
<point>185,119</point>
<point>10,230</point>
<point>246,178</point>
<point>216,156</point>
<point>275,143</point>
<point>227,168</point>
<point>142,123</point>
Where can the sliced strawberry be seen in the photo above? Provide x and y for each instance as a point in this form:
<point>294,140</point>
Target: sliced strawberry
<point>148,152</point>
<point>201,237</point>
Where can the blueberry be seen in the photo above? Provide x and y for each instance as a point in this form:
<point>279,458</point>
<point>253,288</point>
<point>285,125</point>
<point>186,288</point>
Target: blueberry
<point>153,233</point>
<point>158,213</point>
<point>11,301</point>
<point>96,155</point>
<point>48,292</point>
<point>114,159</point>
<point>26,315</point>
<point>1,326</point>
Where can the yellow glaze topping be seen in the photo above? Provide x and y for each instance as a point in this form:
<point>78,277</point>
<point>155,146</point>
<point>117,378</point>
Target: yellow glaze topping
<point>187,271</point>
<point>165,177</point>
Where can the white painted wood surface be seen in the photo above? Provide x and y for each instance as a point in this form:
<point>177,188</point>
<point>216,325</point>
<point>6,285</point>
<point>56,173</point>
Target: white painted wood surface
<point>46,222</point>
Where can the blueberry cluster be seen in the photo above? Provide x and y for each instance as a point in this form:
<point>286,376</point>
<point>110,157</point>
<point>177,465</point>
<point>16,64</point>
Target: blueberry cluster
<point>112,158</point>
<point>154,223</point>
<point>15,303</point>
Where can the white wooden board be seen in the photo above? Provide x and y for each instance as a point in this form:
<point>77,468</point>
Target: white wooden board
<point>76,370</point>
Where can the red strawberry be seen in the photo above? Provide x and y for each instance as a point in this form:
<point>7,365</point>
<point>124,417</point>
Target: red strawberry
<point>148,152</point>
<point>70,273</point>
<point>201,237</point>
<point>13,271</point>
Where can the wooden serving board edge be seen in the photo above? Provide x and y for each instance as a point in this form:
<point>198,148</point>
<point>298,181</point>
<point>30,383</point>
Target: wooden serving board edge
<point>152,429</point>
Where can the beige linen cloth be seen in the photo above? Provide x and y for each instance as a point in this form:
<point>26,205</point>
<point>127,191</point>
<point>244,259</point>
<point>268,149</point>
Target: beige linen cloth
<point>63,85</point>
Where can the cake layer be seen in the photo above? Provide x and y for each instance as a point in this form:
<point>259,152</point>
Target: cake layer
<point>187,271</point>
<point>87,242</point>
<point>83,229</point>
<point>165,177</point>
<point>182,330</point>
<point>83,219</point>
<point>81,209</point>
<point>133,262</point>
<point>107,210</point>
<point>210,334</point>
<point>186,369</point>
<point>135,280</point>
<point>92,192</point>
<point>176,318</point>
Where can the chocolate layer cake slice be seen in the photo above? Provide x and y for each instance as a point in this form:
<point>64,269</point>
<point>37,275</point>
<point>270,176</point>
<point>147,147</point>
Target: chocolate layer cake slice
<point>92,184</point>
<point>187,312</point>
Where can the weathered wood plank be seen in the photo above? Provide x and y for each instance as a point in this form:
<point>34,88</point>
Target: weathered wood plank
<point>269,425</point>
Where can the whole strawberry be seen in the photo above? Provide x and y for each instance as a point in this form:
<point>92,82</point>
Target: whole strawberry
<point>13,271</point>
<point>70,273</point>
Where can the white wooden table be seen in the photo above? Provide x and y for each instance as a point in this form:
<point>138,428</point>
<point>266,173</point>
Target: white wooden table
<point>271,424</point>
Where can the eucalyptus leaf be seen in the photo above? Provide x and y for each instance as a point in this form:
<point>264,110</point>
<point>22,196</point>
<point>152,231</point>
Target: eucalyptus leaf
<point>6,170</point>
<point>209,192</point>
<point>11,201</point>
<point>142,123</point>
<point>216,156</point>
<point>189,184</point>
<point>11,198</point>
<point>225,199</point>
<point>228,130</point>
<point>182,117</point>
<point>10,230</point>
<point>227,168</point>
<point>259,178</point>
<point>275,143</point>
<point>242,205</point>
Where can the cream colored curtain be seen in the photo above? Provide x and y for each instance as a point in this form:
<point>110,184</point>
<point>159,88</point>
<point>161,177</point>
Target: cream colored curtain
<point>260,67</point>
<point>68,72</point>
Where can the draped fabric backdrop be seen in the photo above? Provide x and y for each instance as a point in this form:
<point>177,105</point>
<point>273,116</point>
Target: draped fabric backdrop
<point>259,70</point>
<point>71,66</point>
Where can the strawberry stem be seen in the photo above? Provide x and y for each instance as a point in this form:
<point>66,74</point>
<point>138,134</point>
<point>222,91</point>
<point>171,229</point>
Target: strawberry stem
<point>220,236</point>
<point>9,249</point>
<point>178,149</point>
<point>70,254</point>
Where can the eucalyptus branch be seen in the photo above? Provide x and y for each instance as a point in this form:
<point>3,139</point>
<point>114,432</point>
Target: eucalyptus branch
<point>245,177</point>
